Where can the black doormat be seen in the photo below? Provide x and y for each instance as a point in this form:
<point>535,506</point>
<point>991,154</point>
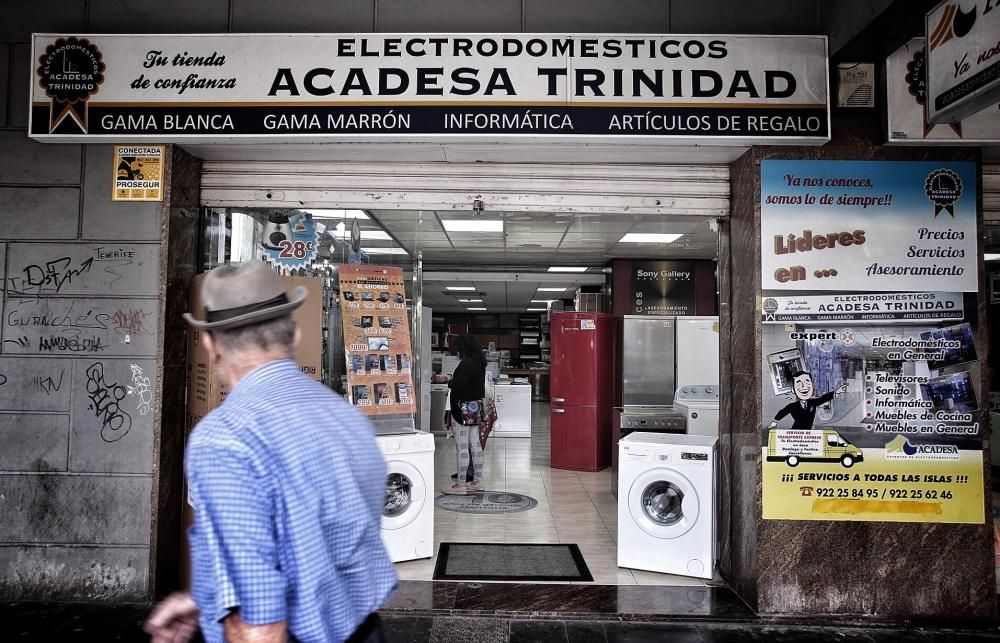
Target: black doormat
<point>497,561</point>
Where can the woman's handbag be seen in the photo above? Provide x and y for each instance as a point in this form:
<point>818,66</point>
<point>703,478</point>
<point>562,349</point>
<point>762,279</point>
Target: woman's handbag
<point>488,420</point>
<point>471,412</point>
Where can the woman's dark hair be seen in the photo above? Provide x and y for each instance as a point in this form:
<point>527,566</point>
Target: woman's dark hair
<point>469,347</point>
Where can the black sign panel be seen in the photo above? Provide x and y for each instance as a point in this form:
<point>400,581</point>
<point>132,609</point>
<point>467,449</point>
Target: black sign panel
<point>662,288</point>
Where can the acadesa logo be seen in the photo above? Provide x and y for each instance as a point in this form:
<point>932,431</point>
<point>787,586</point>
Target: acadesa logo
<point>900,448</point>
<point>954,23</point>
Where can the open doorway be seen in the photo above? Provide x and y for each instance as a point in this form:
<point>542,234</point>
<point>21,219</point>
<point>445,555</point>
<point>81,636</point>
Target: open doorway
<point>506,278</point>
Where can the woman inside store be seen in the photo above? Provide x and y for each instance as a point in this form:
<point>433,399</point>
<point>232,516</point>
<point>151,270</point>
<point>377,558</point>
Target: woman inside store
<point>468,390</point>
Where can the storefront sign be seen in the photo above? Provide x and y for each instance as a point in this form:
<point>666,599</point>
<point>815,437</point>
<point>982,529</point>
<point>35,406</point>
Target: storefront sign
<point>872,411</point>
<point>138,173</point>
<point>376,339</point>
<point>862,308</point>
<point>906,89</point>
<point>663,288</point>
<point>282,87</point>
<point>963,58</point>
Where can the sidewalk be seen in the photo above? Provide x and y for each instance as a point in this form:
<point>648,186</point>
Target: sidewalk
<point>426,612</point>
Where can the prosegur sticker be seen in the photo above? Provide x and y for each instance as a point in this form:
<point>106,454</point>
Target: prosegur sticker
<point>138,173</point>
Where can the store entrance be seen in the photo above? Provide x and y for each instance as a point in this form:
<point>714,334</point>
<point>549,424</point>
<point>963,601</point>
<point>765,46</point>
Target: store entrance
<point>590,323</point>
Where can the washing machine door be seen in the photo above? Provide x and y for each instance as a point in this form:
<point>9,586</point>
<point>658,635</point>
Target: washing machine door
<point>404,495</point>
<point>664,503</point>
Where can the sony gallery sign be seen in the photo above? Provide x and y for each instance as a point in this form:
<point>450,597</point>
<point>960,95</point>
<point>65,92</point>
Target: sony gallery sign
<point>282,87</point>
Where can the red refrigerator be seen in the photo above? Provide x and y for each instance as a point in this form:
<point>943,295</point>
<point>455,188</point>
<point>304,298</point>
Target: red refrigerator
<point>582,372</point>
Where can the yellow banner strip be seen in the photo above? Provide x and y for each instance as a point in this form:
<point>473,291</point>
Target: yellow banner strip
<point>827,506</point>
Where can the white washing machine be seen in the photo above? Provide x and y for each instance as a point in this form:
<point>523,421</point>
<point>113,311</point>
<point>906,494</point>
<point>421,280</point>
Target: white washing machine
<point>666,503</point>
<point>408,510</point>
<point>700,405</point>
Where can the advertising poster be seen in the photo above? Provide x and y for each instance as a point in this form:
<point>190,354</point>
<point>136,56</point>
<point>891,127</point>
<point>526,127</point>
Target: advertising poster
<point>870,406</point>
<point>138,173</point>
<point>289,242</point>
<point>663,288</point>
<point>376,339</point>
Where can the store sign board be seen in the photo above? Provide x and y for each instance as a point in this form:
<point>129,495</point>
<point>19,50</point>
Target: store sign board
<point>376,339</point>
<point>906,95</point>
<point>872,412</point>
<point>288,87</point>
<point>868,225</point>
<point>663,288</point>
<point>963,59</point>
<point>138,173</point>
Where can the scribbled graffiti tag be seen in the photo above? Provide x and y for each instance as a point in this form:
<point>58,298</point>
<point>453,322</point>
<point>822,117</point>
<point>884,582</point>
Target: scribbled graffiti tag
<point>48,385</point>
<point>131,321</point>
<point>50,276</point>
<point>141,389</point>
<point>104,402</point>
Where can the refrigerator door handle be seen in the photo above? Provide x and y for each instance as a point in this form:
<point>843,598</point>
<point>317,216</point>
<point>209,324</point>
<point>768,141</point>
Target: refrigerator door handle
<point>558,400</point>
<point>558,410</point>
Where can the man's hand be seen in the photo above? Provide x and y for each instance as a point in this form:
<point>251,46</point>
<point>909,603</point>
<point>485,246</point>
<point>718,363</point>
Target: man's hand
<point>842,388</point>
<point>773,424</point>
<point>173,620</point>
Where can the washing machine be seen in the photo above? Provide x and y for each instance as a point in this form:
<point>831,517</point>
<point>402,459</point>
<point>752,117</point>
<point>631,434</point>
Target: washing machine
<point>666,503</point>
<point>408,509</point>
<point>700,405</point>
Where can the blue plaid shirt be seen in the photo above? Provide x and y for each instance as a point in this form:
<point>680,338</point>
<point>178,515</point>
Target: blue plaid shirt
<point>287,484</point>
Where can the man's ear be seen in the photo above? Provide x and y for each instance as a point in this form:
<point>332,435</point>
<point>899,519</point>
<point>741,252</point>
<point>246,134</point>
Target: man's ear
<point>297,336</point>
<point>208,341</point>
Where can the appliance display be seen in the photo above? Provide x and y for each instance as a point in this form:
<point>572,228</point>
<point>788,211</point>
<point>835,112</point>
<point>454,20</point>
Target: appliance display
<point>700,404</point>
<point>408,508</point>
<point>439,404</point>
<point>647,360</point>
<point>697,351</point>
<point>666,503</point>
<point>513,410</point>
<point>581,390</point>
<point>653,419</point>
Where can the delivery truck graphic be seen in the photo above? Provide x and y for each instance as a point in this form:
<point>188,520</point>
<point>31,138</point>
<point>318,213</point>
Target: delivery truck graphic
<point>814,445</point>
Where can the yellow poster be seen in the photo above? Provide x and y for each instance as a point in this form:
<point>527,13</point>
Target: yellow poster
<point>872,401</point>
<point>138,173</point>
<point>376,339</point>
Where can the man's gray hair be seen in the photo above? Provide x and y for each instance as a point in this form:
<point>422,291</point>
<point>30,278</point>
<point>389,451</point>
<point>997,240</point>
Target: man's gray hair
<point>272,333</point>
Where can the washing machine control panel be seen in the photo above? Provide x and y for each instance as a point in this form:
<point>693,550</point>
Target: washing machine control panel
<point>697,393</point>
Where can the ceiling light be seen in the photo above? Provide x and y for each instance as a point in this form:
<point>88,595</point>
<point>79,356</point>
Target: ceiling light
<point>649,237</point>
<point>385,251</point>
<point>537,310</point>
<point>991,256</point>
<point>471,301</point>
<point>472,225</point>
<point>344,233</point>
<point>551,290</point>
<point>338,214</point>
<point>476,309</point>
<point>541,301</point>
<point>568,269</point>
<point>460,287</point>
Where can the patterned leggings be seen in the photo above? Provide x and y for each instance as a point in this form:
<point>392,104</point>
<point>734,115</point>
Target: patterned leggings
<point>466,443</point>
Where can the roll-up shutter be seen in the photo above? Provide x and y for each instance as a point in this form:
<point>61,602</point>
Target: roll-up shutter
<point>991,193</point>
<point>701,190</point>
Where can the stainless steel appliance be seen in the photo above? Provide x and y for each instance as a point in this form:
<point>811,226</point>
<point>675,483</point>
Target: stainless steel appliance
<point>647,361</point>
<point>650,419</point>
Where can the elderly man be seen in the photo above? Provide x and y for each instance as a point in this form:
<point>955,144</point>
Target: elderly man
<point>287,484</point>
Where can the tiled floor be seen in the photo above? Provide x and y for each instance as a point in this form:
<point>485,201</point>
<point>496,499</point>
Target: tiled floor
<point>573,507</point>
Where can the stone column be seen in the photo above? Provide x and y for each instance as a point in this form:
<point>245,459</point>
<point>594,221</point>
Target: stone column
<point>868,569</point>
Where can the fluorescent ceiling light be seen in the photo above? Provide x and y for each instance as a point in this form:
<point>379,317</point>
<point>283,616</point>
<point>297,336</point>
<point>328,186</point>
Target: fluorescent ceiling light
<point>338,214</point>
<point>476,309</point>
<point>471,301</point>
<point>649,237</point>
<point>991,256</point>
<point>540,301</point>
<point>379,235</point>
<point>551,290</point>
<point>568,269</point>
<point>472,225</point>
<point>537,310</point>
<point>459,287</point>
<point>385,251</point>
